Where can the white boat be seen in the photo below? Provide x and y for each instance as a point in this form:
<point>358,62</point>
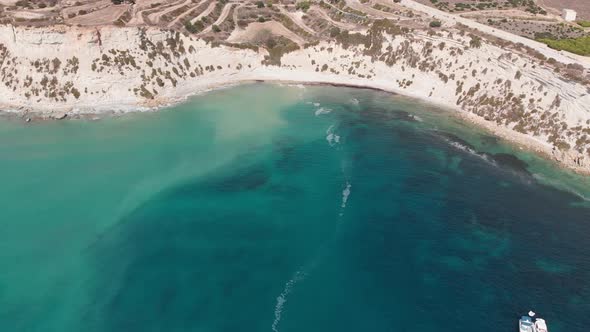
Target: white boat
<point>540,325</point>
<point>525,324</point>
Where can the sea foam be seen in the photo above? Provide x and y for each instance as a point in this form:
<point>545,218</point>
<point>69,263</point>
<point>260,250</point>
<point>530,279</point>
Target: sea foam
<point>331,137</point>
<point>282,298</point>
<point>345,194</point>
<point>322,110</point>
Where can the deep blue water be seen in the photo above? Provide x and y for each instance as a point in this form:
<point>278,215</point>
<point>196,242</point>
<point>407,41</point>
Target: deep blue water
<point>248,209</point>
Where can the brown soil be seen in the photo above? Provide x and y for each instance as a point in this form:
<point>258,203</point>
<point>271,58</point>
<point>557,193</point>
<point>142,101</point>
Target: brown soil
<point>580,6</point>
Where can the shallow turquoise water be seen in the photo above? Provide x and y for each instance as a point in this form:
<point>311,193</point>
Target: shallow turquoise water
<point>267,208</point>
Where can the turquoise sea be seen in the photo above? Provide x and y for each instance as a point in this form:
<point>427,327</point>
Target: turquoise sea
<point>285,208</point>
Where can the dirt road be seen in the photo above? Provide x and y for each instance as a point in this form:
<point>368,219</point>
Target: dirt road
<point>560,56</point>
<point>183,15</point>
<point>155,17</point>
<point>224,13</point>
<point>252,31</point>
<point>296,18</point>
<point>205,12</point>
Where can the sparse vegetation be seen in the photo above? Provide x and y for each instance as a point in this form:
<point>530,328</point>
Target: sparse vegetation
<point>303,5</point>
<point>435,24</point>
<point>475,41</point>
<point>277,47</point>
<point>193,27</point>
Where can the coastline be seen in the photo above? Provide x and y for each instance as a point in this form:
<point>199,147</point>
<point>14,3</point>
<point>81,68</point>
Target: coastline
<point>522,141</point>
<point>510,94</point>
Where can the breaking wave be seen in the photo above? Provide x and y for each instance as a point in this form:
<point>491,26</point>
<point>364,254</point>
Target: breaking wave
<point>548,181</point>
<point>470,150</point>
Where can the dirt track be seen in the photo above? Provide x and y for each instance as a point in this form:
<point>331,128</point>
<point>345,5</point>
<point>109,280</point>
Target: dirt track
<point>188,11</point>
<point>224,13</point>
<point>155,17</point>
<point>322,14</point>
<point>205,12</point>
<point>87,7</point>
<point>139,8</point>
<point>296,19</point>
<point>356,5</point>
<point>100,17</point>
<point>542,48</point>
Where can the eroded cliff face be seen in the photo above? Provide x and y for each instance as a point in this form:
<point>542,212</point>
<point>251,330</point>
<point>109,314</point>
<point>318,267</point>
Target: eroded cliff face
<point>58,68</point>
<point>66,69</point>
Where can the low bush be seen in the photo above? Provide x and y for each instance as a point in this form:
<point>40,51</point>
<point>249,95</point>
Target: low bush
<point>580,46</point>
<point>193,28</point>
<point>303,5</point>
<point>334,31</point>
<point>475,41</point>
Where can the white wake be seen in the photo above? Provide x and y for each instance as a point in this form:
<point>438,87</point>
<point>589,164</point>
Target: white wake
<point>282,298</point>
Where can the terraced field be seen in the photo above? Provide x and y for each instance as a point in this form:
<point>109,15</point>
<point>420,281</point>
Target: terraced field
<point>199,17</point>
<point>298,22</point>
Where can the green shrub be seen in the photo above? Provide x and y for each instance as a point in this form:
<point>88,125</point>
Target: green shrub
<point>475,41</point>
<point>259,4</point>
<point>271,43</point>
<point>580,46</point>
<point>277,47</point>
<point>334,31</point>
<point>215,28</point>
<point>303,5</point>
<point>435,24</point>
<point>76,93</point>
<point>193,28</point>
<point>584,24</point>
